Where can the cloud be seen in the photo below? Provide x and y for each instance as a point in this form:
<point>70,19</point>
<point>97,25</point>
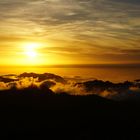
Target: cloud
<point>74,86</point>
<point>27,79</point>
<point>92,24</point>
<point>117,91</point>
<point>131,51</point>
<point>69,88</point>
<point>127,1</point>
<point>4,86</point>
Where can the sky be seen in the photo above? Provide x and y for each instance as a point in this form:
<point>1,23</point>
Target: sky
<point>44,32</point>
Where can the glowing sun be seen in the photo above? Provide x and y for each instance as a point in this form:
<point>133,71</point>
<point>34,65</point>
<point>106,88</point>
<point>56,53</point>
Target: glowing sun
<point>31,49</point>
<point>31,54</point>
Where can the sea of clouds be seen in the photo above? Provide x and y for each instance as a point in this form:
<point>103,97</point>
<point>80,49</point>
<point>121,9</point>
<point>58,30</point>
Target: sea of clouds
<point>72,86</point>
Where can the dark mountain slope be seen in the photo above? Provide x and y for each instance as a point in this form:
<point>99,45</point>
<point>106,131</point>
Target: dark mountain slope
<point>37,111</point>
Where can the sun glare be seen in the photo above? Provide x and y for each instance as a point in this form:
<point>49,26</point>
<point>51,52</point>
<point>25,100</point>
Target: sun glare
<point>31,54</point>
<point>31,49</point>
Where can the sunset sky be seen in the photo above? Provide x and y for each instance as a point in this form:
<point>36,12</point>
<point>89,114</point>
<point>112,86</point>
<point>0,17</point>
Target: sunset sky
<point>44,32</point>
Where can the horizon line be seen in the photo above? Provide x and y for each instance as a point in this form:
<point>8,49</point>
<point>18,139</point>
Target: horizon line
<point>75,65</point>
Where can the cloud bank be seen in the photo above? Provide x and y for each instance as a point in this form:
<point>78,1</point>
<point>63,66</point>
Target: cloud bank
<point>59,85</point>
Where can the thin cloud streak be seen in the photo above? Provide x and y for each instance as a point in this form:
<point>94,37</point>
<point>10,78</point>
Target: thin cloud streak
<point>103,23</point>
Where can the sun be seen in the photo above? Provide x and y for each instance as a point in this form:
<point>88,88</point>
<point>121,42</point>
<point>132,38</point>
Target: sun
<point>31,54</point>
<point>30,49</point>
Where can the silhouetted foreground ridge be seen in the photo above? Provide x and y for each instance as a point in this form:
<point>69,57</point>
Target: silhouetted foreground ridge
<point>38,110</point>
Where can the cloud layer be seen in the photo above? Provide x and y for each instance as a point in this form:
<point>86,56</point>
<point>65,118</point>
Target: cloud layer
<point>59,85</point>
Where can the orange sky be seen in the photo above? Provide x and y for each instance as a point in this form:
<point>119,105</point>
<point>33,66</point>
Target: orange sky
<point>69,32</point>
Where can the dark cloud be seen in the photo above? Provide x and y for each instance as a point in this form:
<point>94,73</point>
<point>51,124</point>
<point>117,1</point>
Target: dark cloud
<point>6,80</point>
<point>42,77</point>
<point>73,86</point>
<point>128,1</point>
<point>131,51</point>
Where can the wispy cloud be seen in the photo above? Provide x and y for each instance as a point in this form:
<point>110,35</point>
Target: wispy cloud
<point>102,26</point>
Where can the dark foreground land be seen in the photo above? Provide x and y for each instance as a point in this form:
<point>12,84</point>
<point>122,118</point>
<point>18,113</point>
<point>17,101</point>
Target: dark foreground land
<point>40,113</point>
